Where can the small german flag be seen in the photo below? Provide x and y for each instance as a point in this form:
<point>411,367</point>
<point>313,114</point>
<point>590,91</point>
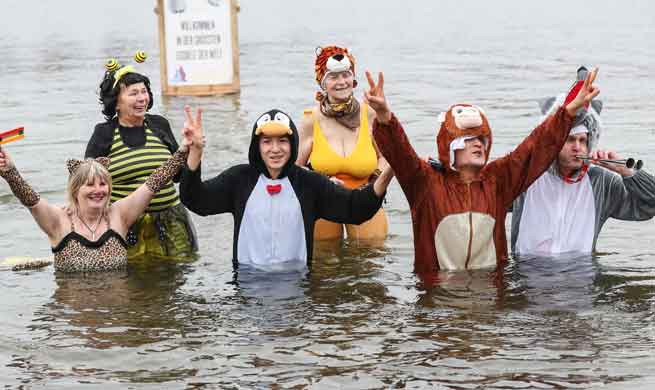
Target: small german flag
<point>12,135</point>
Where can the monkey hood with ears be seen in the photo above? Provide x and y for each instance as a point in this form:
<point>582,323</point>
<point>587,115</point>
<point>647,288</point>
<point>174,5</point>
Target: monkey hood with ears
<point>461,122</point>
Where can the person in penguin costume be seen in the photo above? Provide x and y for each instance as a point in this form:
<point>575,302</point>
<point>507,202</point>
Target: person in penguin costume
<point>565,209</point>
<point>275,203</point>
<point>458,211</point>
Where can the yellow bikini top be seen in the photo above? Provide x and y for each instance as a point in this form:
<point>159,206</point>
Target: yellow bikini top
<point>360,163</point>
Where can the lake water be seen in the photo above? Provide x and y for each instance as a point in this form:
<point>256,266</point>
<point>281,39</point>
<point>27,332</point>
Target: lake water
<point>361,319</point>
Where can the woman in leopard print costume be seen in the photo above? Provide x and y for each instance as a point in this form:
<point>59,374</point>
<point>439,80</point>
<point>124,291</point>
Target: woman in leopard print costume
<point>89,234</point>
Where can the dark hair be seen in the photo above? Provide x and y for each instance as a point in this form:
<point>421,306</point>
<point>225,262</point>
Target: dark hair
<point>109,93</point>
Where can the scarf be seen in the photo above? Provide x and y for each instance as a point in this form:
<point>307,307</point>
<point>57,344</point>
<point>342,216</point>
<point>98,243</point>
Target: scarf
<point>345,113</point>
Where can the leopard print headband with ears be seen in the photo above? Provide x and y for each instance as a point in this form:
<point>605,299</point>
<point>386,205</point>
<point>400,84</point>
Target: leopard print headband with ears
<point>73,164</point>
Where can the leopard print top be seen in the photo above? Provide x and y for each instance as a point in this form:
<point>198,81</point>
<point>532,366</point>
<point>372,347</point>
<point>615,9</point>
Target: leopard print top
<point>76,253</point>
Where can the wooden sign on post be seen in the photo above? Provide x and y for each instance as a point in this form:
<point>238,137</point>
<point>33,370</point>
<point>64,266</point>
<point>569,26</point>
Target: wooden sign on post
<point>199,48</point>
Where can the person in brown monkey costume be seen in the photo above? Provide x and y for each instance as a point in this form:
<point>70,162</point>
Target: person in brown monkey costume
<point>458,211</point>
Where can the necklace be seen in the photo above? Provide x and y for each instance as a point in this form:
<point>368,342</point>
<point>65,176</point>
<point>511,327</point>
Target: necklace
<point>93,231</point>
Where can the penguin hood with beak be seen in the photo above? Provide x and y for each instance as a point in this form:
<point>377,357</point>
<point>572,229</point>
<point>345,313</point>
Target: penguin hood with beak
<point>273,123</point>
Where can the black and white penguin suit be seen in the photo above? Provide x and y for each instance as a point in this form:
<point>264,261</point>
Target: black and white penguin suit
<point>274,229</point>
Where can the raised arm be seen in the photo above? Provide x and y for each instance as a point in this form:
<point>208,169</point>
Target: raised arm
<point>48,217</point>
<point>194,137</point>
<point>393,143</point>
<point>203,197</point>
<point>382,162</point>
<point>520,168</point>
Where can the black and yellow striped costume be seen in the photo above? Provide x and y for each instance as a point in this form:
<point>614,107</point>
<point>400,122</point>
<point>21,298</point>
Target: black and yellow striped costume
<point>130,167</point>
<point>165,229</point>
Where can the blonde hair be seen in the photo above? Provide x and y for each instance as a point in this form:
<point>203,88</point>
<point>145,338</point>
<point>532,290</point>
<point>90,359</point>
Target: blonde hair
<point>87,172</point>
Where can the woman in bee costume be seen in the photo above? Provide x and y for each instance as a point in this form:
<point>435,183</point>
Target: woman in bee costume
<point>137,143</point>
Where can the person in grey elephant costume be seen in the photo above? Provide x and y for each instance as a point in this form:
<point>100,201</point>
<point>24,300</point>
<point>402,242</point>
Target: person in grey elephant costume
<point>565,209</point>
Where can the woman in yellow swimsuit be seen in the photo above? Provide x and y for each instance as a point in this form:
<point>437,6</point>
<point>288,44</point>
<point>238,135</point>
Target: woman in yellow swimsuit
<point>335,139</point>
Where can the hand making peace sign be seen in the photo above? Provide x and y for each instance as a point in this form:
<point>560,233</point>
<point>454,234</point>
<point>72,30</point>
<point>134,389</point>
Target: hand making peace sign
<point>587,92</point>
<point>375,98</point>
<point>192,131</point>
